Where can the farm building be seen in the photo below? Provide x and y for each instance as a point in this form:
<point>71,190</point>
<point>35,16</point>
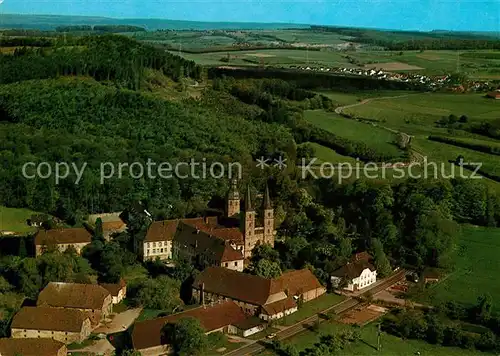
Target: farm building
<point>225,317</point>
<point>32,347</point>
<point>62,239</point>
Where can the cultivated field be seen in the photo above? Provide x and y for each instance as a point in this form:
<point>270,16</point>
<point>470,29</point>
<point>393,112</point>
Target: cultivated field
<point>475,272</point>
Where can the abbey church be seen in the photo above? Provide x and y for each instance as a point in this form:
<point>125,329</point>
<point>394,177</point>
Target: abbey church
<point>225,241</point>
<point>255,229</point>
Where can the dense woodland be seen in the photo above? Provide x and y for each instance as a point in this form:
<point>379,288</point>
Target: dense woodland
<point>89,104</point>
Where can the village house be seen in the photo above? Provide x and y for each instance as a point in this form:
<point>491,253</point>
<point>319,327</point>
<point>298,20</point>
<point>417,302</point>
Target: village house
<point>62,239</point>
<point>227,317</point>
<point>268,299</point>
<point>357,274</point>
<point>32,347</point>
<point>90,298</point>
<point>64,325</point>
<point>118,290</point>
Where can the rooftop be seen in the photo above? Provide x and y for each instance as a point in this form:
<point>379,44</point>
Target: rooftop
<point>53,319</point>
<point>149,333</point>
<point>237,285</point>
<point>30,347</point>
<point>62,236</point>
<point>73,295</point>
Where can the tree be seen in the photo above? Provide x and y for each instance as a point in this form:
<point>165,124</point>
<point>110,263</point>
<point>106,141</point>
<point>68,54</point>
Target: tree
<point>483,308</point>
<point>98,232</point>
<point>186,336</point>
<point>267,269</point>
<point>23,252</point>
<point>381,262</point>
<point>160,293</point>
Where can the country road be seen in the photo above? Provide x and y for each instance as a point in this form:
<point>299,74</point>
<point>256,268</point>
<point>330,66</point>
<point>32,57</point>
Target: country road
<point>258,346</point>
<point>416,156</point>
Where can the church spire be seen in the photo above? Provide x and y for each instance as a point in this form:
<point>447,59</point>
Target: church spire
<point>248,200</point>
<point>267,200</point>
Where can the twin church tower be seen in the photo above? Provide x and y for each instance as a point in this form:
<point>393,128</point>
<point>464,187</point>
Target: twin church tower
<point>255,230</point>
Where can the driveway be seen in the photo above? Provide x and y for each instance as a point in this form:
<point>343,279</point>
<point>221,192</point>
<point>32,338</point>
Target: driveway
<point>120,322</point>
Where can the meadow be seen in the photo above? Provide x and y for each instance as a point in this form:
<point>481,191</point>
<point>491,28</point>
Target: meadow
<point>325,154</point>
<point>475,273</point>
<point>375,137</point>
<point>14,220</point>
<point>390,345</point>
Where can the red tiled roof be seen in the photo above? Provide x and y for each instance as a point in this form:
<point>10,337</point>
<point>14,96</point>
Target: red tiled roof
<point>30,347</point>
<point>279,306</point>
<point>113,225</point>
<point>73,295</point>
<point>237,285</point>
<point>148,333</point>
<point>52,319</point>
<point>298,282</point>
<point>229,234</point>
<point>214,248</point>
<point>62,236</point>
<point>161,230</point>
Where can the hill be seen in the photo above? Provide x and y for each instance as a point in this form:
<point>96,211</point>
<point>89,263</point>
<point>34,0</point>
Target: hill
<point>50,22</point>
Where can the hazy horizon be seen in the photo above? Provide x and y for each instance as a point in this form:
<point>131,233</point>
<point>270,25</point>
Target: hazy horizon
<point>423,15</point>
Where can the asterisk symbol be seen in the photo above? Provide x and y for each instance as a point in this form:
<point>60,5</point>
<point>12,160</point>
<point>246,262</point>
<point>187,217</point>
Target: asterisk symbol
<point>280,162</point>
<point>262,162</point>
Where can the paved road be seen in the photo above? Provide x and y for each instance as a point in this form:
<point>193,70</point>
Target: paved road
<point>347,304</point>
<point>120,322</point>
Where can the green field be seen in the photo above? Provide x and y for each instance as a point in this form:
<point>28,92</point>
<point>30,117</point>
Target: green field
<point>475,271</point>
<point>313,307</point>
<point>391,345</point>
<point>325,154</point>
<point>15,219</point>
<point>413,111</point>
<point>353,130</point>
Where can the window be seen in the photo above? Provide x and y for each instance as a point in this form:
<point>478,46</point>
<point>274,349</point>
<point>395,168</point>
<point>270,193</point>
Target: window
<point>236,263</point>
<point>161,250</point>
<point>148,252</point>
<point>226,264</point>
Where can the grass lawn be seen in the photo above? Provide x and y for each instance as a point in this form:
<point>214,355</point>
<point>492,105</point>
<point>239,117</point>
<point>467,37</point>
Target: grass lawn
<point>313,307</point>
<point>375,137</point>
<point>391,345</point>
<point>12,219</point>
<point>81,345</point>
<point>475,272</point>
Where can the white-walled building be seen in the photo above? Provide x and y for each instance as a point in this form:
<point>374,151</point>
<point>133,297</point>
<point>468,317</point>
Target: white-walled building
<point>358,273</point>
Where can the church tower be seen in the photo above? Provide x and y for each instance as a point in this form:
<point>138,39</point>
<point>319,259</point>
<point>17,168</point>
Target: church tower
<point>233,200</point>
<point>268,211</point>
<point>249,227</point>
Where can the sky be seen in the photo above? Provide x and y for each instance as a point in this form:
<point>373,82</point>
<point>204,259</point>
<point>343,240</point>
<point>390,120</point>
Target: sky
<point>462,15</point>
